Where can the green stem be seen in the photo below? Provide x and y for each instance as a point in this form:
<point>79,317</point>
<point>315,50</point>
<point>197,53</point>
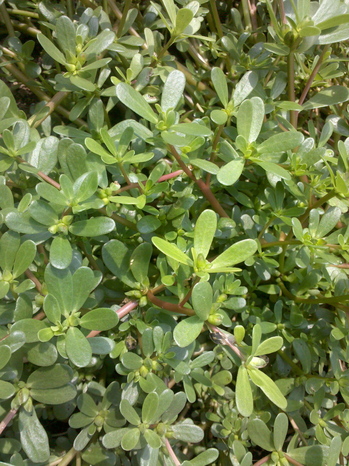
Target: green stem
<point>28,14</point>
<point>291,88</point>
<point>70,9</point>
<point>121,25</point>
<point>217,21</point>
<point>246,13</point>
<point>7,20</point>
<point>121,220</point>
<point>289,361</point>
<point>317,204</point>
<point>217,137</point>
<point>66,459</point>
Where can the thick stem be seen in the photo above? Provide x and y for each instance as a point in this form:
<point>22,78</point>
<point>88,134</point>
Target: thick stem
<point>28,14</point>
<point>171,453</point>
<point>121,220</point>
<point>51,107</point>
<point>292,461</point>
<point>169,306</point>
<point>42,175</point>
<point>7,20</point>
<point>7,419</point>
<point>33,278</point>
<point>262,461</point>
<point>217,21</point>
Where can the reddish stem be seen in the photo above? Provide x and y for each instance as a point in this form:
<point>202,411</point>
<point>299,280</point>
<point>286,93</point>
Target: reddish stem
<point>169,306</point>
<point>121,312</point>
<point>7,419</point>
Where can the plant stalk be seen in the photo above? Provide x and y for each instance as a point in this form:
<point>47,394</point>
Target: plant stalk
<point>171,453</point>
<point>7,419</point>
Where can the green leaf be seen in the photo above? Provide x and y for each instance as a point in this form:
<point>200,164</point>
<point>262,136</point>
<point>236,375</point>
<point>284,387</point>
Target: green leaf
<point>7,390</point>
<point>77,347</point>
<point>65,32</point>
<point>209,167</point>
<point>30,328</point>
<point>269,387</point>
<point>202,297</point>
<point>99,319</point>
<point>187,432</point>
<point>192,129</point>
<point>260,434</point>
<point>129,413</point>
<point>94,226</point>
<point>256,338</point>
<point>149,408</point>
<point>33,437</point>
<point>314,455</point>
<point>51,194</point>
<point>183,19</point>
<point>46,378</point>
<point>84,281</point>
<point>173,90</point>
<point>44,156</point>
<point>328,222</point>
<point>171,250</point>
<point>280,431</point>
<point>243,393</point>
<point>82,83</point>
<point>204,231</point>
<point>249,118</point>
<point>51,49</point>
<point>244,87</point>
<point>42,354</point>
<point>152,438</point>
<point>187,331</point>
<point>231,172</point>
<point>219,82</point>
<point>330,96</point>
<point>55,396</point>
<point>207,457</point>
<point>9,245</point>
<point>61,253</point>
<point>281,142</point>
<point>130,439</point>
<point>334,451</point>
<point>116,257</point>
<point>135,101</point>
<point>271,345</point>
<point>131,360</point>
<point>236,253</point>
<point>219,117</point>
<point>43,213</point>
<point>139,262</point>
<point>60,284</point>
<point>275,169</point>
<point>85,186</point>
<point>5,355</point>
<point>148,224</point>
<point>96,148</point>
<point>98,44</point>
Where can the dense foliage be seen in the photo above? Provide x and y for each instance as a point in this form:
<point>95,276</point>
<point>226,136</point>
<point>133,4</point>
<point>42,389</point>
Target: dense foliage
<point>174,247</point>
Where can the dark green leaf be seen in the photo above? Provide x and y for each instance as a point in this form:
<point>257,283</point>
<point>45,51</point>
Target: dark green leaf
<point>94,226</point>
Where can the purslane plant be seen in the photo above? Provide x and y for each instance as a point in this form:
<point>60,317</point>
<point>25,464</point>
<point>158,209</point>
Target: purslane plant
<point>174,233</point>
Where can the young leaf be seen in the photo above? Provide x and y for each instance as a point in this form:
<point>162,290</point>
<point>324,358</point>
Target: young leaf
<point>116,257</point>
<point>204,231</point>
<point>150,406</point>
<point>236,253</point>
<point>171,250</point>
<point>135,101</point>
<point>187,330</point>
<point>173,90</point>
<point>183,19</point>
<point>243,393</point>
<point>51,49</point>
<point>66,35</point>
<point>256,338</point>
